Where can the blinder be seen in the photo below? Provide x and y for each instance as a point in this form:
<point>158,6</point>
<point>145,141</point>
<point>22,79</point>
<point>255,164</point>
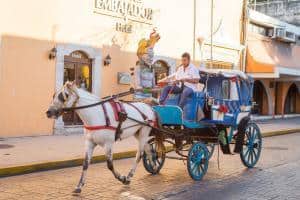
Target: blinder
<point>62,97</point>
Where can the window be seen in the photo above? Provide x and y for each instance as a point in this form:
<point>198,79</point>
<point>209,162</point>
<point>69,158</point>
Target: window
<point>225,89</point>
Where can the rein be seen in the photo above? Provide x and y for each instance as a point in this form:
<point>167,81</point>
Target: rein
<point>131,91</point>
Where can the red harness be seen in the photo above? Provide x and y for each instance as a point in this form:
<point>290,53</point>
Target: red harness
<point>117,107</point>
<point>95,128</point>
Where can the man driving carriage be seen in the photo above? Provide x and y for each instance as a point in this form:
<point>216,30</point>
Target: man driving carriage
<point>188,75</point>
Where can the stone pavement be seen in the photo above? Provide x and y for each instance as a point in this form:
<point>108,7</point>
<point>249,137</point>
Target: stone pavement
<point>276,176</point>
<point>29,150</point>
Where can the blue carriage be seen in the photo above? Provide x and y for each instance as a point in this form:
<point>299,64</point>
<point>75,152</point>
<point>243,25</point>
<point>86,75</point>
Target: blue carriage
<point>217,115</point>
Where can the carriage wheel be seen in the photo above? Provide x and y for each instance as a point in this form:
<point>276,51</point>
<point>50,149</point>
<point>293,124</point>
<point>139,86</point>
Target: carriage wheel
<point>252,146</point>
<point>158,157</point>
<point>211,149</point>
<point>197,162</point>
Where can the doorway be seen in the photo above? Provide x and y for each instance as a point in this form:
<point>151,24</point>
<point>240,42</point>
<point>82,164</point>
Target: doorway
<point>161,70</point>
<point>291,100</point>
<point>78,68</point>
<point>260,99</point>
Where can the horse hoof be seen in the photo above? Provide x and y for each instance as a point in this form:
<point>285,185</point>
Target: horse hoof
<point>77,191</point>
<point>126,182</point>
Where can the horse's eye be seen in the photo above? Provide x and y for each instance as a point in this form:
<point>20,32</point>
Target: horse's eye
<point>61,97</point>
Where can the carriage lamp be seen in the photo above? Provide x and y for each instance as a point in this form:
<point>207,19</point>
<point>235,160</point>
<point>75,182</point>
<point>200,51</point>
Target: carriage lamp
<point>107,60</point>
<point>52,54</point>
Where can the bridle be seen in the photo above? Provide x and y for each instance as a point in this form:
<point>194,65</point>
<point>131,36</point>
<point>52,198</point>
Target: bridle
<point>66,97</point>
<point>74,107</point>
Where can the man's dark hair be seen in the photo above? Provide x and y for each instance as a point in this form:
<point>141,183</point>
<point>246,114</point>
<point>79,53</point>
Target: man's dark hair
<point>186,55</point>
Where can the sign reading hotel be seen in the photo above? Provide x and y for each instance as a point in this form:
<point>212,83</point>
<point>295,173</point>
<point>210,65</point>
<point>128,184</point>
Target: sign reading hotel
<point>129,10</point>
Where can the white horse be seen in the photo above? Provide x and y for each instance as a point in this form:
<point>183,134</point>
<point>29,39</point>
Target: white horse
<point>98,132</point>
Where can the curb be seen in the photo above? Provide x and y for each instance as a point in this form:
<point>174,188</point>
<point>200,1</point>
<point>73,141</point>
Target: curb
<point>38,167</point>
<point>280,132</point>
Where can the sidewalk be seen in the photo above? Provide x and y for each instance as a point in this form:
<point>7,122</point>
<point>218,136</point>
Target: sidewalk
<point>51,150</point>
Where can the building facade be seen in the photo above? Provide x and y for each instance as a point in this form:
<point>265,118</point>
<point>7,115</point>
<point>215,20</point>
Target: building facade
<point>45,43</point>
<point>285,10</point>
<point>273,59</point>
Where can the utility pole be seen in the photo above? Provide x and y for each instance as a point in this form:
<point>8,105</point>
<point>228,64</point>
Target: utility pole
<point>194,31</point>
<point>243,35</point>
<point>211,33</point>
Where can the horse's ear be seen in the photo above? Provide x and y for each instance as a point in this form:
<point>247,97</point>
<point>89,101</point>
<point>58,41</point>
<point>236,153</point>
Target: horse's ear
<point>70,84</point>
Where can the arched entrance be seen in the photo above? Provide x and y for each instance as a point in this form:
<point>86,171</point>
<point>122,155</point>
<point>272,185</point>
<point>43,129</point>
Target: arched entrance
<point>161,69</point>
<point>78,68</point>
<point>260,98</point>
<point>292,97</point>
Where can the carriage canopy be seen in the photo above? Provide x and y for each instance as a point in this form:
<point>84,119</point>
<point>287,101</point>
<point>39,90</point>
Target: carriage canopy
<point>227,84</point>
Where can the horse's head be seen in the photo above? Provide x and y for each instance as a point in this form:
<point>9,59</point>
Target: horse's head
<point>67,97</point>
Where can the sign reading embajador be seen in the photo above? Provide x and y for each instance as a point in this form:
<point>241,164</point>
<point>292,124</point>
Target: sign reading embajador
<point>132,10</point>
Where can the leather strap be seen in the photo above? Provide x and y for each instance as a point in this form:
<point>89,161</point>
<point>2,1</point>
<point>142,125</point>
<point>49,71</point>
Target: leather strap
<point>115,109</point>
<point>94,128</point>
<point>106,116</point>
<point>142,114</point>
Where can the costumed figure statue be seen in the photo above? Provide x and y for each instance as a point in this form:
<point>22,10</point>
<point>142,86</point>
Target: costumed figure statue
<point>144,73</point>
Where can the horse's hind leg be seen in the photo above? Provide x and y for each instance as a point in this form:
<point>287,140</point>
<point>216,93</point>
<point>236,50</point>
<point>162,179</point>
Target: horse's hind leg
<point>110,165</point>
<point>142,136</point>
<point>89,148</point>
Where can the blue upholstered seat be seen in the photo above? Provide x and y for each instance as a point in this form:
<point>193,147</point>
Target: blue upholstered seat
<point>191,108</point>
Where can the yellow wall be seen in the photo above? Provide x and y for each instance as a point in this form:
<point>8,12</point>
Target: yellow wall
<point>26,86</point>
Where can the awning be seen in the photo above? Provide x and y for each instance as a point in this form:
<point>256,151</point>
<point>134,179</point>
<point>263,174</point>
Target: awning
<point>269,56</point>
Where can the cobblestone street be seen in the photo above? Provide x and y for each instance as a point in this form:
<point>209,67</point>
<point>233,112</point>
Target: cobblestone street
<point>276,176</point>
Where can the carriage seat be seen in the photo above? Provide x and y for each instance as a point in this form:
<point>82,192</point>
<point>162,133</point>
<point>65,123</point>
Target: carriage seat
<point>195,102</point>
<point>173,116</point>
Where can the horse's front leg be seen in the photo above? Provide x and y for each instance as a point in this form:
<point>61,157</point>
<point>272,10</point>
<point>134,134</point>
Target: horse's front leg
<point>89,148</point>
<point>110,165</point>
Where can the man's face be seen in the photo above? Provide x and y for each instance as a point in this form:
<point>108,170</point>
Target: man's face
<point>185,61</point>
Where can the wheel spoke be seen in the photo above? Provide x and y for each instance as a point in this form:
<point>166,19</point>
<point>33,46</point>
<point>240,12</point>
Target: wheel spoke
<point>247,152</point>
<point>201,166</point>
<point>252,157</point>
<point>255,154</point>
<point>249,156</point>
<point>196,169</point>
<point>157,160</point>
<point>194,166</point>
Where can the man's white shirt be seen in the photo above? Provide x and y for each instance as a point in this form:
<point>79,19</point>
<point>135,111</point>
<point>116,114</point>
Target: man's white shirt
<point>191,72</point>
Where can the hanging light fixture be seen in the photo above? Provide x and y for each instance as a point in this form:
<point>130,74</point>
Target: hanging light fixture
<point>107,60</point>
<point>52,54</point>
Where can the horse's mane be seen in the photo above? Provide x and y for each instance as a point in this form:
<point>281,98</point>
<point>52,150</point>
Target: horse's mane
<point>87,95</point>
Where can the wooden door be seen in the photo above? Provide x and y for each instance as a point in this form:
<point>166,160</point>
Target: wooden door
<point>78,68</point>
